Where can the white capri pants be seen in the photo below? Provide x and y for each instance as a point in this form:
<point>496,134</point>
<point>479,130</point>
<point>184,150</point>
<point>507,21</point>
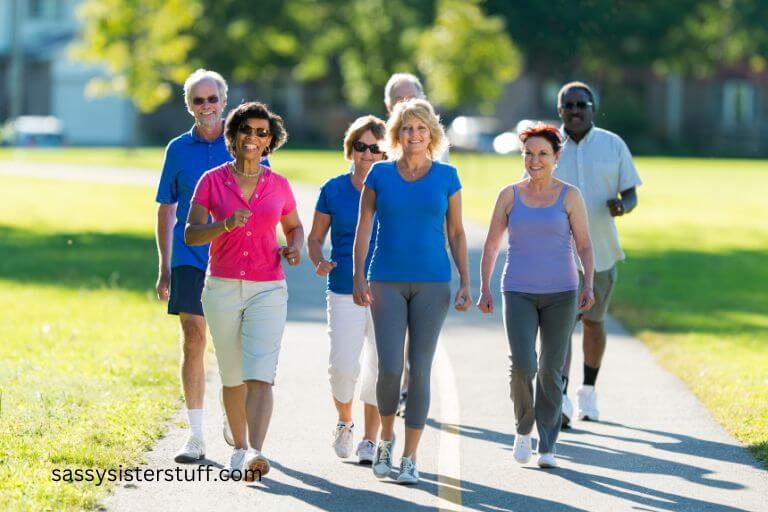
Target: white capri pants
<point>350,328</point>
<point>246,320</point>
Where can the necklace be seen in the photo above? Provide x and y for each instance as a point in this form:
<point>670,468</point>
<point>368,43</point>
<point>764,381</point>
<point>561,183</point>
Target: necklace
<point>412,173</point>
<point>236,171</point>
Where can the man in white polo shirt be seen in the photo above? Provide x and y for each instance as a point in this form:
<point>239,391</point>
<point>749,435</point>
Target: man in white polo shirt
<point>599,163</point>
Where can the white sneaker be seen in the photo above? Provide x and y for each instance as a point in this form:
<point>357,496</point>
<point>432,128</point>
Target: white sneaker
<point>567,412</point>
<point>225,430</point>
<point>587,401</point>
<point>409,475</point>
<point>521,450</point>
<point>382,462</point>
<point>236,462</point>
<point>255,466</point>
<point>547,460</point>
<point>193,450</point>
<point>366,451</point>
<point>342,440</point>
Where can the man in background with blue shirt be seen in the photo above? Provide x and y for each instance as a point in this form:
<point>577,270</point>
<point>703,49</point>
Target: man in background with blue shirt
<point>181,272</point>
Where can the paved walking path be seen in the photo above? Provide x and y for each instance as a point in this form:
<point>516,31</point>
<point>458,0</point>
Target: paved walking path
<point>657,448</point>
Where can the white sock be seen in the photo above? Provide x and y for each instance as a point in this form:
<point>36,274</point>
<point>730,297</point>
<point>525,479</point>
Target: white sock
<point>346,423</point>
<point>195,418</point>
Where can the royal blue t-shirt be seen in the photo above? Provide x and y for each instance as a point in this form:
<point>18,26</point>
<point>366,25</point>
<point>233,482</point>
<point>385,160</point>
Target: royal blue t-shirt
<point>410,245</point>
<point>187,157</point>
<point>341,200</point>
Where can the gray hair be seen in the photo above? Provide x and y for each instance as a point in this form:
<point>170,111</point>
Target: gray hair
<point>199,76</point>
<point>402,77</point>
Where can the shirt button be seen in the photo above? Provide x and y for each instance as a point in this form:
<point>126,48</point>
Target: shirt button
<point>248,233</point>
<point>245,253</point>
<point>242,272</point>
<point>255,195</point>
<point>228,183</point>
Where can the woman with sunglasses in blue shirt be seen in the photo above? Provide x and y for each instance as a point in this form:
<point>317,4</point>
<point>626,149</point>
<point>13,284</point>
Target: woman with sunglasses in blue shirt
<point>350,327</point>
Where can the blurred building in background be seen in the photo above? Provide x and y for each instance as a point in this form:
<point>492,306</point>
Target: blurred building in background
<point>34,36</point>
<point>726,113</point>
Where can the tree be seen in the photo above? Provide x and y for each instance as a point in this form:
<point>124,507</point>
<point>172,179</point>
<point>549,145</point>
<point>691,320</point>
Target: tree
<point>467,56</point>
<point>148,44</point>
<point>143,44</point>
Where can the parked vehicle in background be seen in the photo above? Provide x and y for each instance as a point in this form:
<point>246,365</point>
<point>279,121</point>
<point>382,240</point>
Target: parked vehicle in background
<point>473,133</point>
<point>33,131</point>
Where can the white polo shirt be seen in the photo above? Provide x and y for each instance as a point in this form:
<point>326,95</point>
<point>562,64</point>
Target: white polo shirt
<point>601,166</point>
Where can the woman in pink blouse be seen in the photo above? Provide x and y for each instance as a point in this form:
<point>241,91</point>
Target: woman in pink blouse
<point>245,295</point>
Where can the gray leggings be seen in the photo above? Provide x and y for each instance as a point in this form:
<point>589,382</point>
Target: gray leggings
<point>420,308</point>
<point>554,315</point>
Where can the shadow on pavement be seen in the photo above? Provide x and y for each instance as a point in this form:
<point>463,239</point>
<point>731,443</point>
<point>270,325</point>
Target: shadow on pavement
<point>639,494</point>
<point>327,495</point>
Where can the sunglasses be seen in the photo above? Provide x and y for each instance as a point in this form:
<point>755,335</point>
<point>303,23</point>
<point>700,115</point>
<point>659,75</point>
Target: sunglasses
<point>360,147</point>
<point>249,130</point>
<point>581,105</point>
<point>211,99</point>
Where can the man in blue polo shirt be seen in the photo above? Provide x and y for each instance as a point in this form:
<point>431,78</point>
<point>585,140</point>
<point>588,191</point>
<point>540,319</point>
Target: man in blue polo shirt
<point>182,268</point>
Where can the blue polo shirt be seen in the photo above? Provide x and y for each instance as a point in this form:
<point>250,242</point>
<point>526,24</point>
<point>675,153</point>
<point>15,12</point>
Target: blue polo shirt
<point>410,245</point>
<point>341,200</point>
<point>187,157</point>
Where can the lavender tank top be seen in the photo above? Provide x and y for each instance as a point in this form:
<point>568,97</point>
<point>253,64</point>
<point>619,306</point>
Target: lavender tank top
<point>540,254</point>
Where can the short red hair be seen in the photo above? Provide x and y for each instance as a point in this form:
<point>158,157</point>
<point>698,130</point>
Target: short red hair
<point>545,131</point>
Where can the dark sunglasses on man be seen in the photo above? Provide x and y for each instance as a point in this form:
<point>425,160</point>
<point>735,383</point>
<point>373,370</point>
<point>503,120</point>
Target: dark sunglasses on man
<point>213,99</point>
<point>249,130</point>
<point>580,105</point>
<point>360,147</point>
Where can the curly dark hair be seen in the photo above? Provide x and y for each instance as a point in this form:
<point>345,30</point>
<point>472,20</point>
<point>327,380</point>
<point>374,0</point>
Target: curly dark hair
<point>254,110</point>
<point>546,132</point>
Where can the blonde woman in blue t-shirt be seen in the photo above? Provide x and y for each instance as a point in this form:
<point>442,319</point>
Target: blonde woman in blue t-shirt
<point>407,285</point>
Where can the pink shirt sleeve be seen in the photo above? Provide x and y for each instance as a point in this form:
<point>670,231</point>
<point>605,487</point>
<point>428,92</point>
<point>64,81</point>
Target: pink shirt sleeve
<point>202,195</point>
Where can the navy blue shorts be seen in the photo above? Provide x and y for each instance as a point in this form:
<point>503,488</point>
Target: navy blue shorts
<point>186,288</point>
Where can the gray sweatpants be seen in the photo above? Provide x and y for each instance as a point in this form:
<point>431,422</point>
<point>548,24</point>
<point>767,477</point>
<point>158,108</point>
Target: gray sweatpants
<point>419,307</point>
<point>554,315</point>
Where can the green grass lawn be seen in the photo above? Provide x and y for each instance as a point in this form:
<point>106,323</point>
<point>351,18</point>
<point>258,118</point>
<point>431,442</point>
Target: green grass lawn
<point>85,344</point>
<point>89,361</point>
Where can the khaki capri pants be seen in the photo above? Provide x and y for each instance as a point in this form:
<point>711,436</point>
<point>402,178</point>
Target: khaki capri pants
<point>246,320</point>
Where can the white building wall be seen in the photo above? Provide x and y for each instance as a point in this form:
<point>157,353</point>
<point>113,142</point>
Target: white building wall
<point>102,121</point>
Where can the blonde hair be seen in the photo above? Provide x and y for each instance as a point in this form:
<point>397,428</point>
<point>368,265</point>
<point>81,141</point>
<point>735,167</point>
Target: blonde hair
<point>358,127</point>
<point>423,111</point>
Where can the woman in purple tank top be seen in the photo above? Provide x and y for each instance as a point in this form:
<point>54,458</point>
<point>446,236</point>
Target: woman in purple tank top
<point>543,218</point>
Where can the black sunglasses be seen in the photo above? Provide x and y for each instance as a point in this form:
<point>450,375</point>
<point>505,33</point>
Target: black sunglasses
<point>360,147</point>
<point>581,105</point>
<point>249,130</point>
<point>213,99</point>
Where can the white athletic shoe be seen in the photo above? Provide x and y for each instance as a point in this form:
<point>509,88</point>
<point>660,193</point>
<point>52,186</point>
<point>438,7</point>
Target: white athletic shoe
<point>547,460</point>
<point>255,466</point>
<point>236,462</point>
<point>342,440</point>
<point>192,451</point>
<point>409,475</point>
<point>521,450</point>
<point>366,451</point>
<point>587,402</point>
<point>382,462</point>
<point>225,430</point>
<point>567,412</point>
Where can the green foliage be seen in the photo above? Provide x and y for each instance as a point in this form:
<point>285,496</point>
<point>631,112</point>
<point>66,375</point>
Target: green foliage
<point>467,56</point>
<point>606,37</point>
<point>143,44</point>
